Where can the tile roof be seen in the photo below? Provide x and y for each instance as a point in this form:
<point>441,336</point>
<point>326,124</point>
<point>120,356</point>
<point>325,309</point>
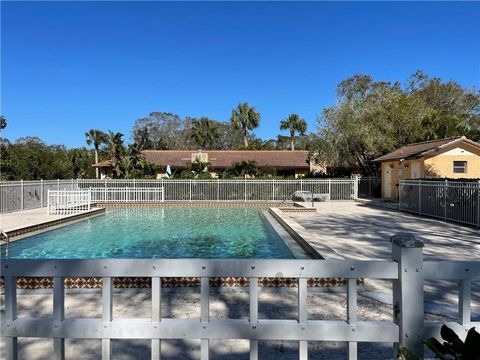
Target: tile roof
<point>417,150</point>
<point>279,159</point>
<point>104,163</point>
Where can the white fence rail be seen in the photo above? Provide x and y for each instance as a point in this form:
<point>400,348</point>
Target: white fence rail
<point>67,202</point>
<point>448,200</point>
<point>127,195</point>
<point>407,270</point>
<point>22,195</point>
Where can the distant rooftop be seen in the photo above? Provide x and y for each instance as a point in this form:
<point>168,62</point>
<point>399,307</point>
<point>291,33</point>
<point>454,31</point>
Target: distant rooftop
<point>417,150</point>
<point>218,159</point>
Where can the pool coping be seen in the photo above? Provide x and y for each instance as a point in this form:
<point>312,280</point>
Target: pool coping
<point>305,238</point>
<point>44,226</point>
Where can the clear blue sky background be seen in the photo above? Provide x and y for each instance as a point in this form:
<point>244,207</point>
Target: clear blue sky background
<point>68,67</point>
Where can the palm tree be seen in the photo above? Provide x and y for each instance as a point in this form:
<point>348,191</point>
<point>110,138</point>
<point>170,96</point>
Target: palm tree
<point>294,124</point>
<point>130,160</point>
<point>115,150</point>
<point>204,132</point>
<point>97,138</point>
<point>246,118</point>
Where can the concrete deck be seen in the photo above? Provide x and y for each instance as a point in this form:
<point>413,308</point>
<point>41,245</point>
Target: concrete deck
<point>24,223</point>
<point>357,231</point>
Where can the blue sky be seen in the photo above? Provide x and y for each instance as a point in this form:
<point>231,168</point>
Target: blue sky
<point>71,66</point>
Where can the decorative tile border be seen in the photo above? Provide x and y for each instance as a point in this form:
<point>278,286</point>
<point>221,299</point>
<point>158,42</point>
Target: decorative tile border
<point>264,204</point>
<point>33,283</point>
<point>297,210</point>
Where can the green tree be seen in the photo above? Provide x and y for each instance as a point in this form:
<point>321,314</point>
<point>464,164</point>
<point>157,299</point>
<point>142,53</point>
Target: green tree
<point>81,160</point>
<point>371,118</point>
<point>204,132</point>
<point>3,122</point>
<point>97,138</point>
<point>245,168</point>
<point>294,124</point>
<point>162,131</point>
<point>245,118</point>
<point>30,158</point>
<point>115,150</point>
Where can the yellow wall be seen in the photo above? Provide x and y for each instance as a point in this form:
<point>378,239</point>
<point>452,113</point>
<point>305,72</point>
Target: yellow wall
<point>399,170</point>
<point>437,165</point>
<point>441,165</point>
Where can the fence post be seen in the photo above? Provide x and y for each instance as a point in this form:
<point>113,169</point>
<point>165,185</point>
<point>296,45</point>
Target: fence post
<point>420,197</point>
<point>408,311</point>
<point>11,346</point>
<point>41,192</point>
<point>355,187</point>
<point>445,201</point>
<point>478,204</point>
<point>58,184</point>
<point>22,190</point>
<point>245,189</point>
<point>273,190</point>
<point>329,189</point>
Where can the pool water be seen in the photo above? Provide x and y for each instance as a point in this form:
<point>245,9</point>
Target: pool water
<point>152,233</point>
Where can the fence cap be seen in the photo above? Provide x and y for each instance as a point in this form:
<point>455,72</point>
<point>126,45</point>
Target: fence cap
<point>406,240</point>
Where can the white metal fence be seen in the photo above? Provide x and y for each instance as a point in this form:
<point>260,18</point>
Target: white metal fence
<point>407,270</point>
<point>67,202</point>
<point>235,190</point>
<point>448,200</point>
<point>24,195</point>
<point>127,195</point>
<point>21,195</point>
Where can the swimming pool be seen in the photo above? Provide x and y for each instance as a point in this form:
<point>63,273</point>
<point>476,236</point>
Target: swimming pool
<point>155,233</point>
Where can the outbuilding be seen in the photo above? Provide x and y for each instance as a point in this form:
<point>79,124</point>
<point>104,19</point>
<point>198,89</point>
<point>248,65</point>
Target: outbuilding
<point>456,157</point>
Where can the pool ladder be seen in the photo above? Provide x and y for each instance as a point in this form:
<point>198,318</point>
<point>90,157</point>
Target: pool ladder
<point>7,239</point>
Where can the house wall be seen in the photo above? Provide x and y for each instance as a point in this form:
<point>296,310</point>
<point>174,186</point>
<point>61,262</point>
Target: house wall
<point>437,165</point>
<point>399,170</point>
<point>441,165</point>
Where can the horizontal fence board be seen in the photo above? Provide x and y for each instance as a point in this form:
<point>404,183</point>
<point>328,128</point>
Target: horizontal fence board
<point>451,270</point>
<point>200,268</point>
<point>266,329</point>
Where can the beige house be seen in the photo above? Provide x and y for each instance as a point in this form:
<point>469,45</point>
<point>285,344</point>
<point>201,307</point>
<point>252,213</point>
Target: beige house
<point>456,157</point>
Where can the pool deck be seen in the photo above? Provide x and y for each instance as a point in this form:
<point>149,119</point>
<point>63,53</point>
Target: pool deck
<point>28,222</point>
<point>357,231</point>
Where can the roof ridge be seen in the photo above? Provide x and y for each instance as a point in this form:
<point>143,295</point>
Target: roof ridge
<point>431,141</point>
<point>191,150</point>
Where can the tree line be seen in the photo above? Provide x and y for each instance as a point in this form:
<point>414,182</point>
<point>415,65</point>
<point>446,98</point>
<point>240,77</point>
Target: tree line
<point>369,118</point>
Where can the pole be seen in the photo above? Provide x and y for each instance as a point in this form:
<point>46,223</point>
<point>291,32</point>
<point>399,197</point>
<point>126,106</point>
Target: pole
<point>22,190</point>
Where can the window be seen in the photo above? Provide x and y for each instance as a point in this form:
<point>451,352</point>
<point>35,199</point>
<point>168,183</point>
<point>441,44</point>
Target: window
<point>459,167</point>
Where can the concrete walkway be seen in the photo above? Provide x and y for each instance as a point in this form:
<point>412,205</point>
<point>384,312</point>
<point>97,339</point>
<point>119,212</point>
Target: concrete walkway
<point>356,231</point>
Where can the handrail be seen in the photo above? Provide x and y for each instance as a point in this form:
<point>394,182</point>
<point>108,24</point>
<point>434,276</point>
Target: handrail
<point>6,236</point>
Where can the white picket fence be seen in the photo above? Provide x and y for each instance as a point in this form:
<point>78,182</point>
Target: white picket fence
<point>68,202</point>
<point>407,270</point>
<point>127,195</point>
<point>448,200</point>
